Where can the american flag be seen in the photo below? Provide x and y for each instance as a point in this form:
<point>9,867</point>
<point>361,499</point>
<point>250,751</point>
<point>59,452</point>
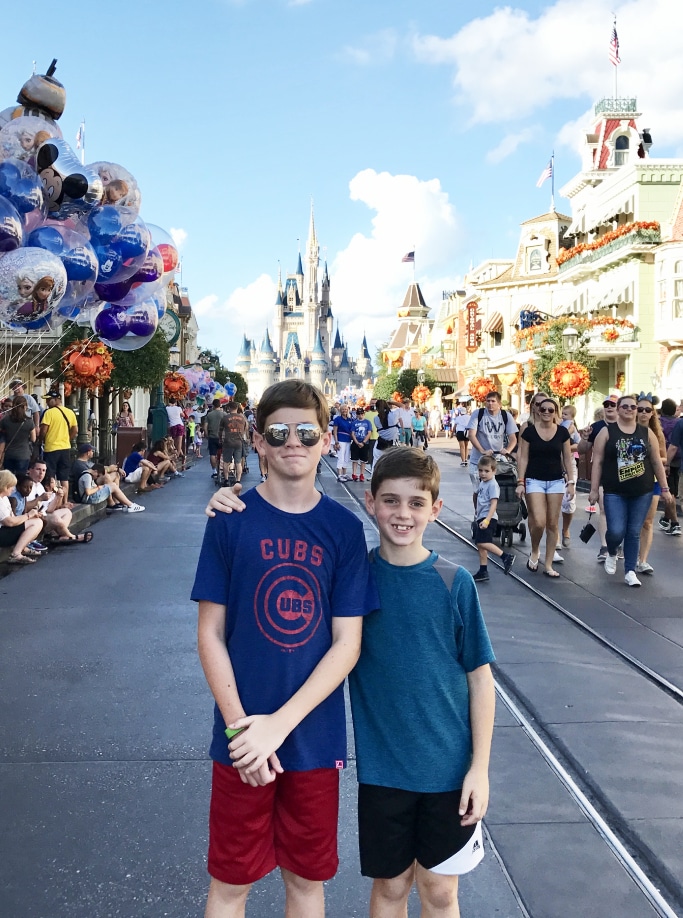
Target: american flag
<point>79,137</point>
<point>546,174</point>
<point>614,48</point>
<point>409,257</point>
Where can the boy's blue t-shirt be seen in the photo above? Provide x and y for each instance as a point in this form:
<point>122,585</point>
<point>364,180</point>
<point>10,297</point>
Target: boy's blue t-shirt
<point>132,462</point>
<point>409,691</point>
<point>361,428</point>
<point>282,578</point>
<point>344,427</point>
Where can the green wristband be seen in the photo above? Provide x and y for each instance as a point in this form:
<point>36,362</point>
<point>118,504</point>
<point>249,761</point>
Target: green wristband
<point>231,734</point>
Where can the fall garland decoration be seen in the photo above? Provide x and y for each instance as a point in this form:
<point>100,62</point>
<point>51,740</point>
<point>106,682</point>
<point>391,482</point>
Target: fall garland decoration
<point>580,322</point>
<point>480,387</point>
<point>610,334</point>
<point>567,254</point>
<point>420,394</point>
<point>569,379</point>
<point>87,364</point>
<point>175,386</point>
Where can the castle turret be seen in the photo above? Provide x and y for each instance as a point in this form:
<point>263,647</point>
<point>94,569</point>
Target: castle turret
<point>364,362</point>
<point>267,362</point>
<point>310,323</point>
<point>318,364</point>
<point>243,362</point>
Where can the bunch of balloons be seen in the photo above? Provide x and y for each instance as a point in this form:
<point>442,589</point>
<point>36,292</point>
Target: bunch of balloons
<point>72,243</point>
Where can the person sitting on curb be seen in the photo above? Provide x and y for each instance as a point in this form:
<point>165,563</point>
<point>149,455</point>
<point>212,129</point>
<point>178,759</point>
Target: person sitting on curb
<point>139,470</point>
<point>89,492</point>
<point>16,532</point>
<point>56,517</point>
<point>161,460</point>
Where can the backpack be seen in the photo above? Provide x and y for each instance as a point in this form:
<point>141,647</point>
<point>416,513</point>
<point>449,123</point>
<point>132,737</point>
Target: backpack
<point>668,425</point>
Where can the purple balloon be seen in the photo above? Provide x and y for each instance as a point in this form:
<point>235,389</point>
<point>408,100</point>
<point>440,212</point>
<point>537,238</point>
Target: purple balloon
<point>152,268</point>
<point>112,323</point>
<point>112,293</point>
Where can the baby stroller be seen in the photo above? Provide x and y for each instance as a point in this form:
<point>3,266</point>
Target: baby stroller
<point>511,510</point>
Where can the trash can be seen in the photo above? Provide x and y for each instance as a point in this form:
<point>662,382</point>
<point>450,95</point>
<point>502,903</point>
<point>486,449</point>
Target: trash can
<point>126,438</point>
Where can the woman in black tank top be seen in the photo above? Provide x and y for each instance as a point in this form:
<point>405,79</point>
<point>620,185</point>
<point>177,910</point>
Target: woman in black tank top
<point>626,461</point>
<point>545,457</point>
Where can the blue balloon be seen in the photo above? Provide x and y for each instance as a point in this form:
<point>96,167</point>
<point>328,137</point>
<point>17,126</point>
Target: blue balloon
<point>230,388</point>
<point>133,241</point>
<point>11,227</point>
<point>21,186</point>
<point>47,237</point>
<point>110,261</point>
<point>104,223</point>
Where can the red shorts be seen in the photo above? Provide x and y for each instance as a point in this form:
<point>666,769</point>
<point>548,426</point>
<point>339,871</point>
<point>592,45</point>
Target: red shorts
<point>291,823</point>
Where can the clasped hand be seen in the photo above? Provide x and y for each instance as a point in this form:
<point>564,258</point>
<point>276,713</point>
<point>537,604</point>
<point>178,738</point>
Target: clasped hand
<point>253,751</point>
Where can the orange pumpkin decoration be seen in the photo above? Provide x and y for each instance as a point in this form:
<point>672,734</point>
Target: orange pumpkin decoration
<point>569,379</point>
<point>480,387</point>
<point>87,364</point>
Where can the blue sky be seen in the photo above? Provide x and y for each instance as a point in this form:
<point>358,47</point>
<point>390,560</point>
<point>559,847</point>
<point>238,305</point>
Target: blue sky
<point>408,124</point>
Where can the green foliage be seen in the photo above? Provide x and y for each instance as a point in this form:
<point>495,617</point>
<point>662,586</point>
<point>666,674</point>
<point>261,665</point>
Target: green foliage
<point>381,366</point>
<point>408,379</point>
<point>551,351</point>
<point>386,385</point>
<point>144,368</point>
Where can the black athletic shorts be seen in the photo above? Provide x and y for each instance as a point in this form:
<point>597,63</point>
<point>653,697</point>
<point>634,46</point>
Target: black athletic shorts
<point>397,827</point>
<point>484,535</point>
<point>461,435</point>
<point>361,453</point>
<point>214,445</point>
<point>58,463</point>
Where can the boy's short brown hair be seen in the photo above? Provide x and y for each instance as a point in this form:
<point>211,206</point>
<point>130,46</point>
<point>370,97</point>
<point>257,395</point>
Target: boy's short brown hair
<point>292,393</point>
<point>487,462</point>
<point>406,462</point>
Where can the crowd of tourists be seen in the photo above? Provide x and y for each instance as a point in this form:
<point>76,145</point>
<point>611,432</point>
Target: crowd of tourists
<point>41,483</point>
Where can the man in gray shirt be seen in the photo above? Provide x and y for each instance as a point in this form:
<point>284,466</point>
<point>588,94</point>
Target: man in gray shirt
<point>495,433</point>
<point>17,388</point>
<point>212,432</point>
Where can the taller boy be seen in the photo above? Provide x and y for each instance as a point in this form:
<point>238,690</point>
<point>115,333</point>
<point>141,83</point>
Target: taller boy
<point>282,590</point>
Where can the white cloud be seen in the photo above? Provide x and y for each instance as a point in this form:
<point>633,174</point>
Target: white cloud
<point>510,64</point>
<point>368,279</point>
<point>373,49</point>
<point>247,310</point>
<point>509,144</point>
<point>179,236</point>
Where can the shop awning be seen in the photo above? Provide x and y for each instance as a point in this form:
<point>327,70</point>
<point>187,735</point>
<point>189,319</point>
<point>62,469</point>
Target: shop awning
<point>495,323</point>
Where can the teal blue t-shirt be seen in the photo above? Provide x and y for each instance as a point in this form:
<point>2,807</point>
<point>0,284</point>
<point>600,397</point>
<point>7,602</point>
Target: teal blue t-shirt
<point>409,691</point>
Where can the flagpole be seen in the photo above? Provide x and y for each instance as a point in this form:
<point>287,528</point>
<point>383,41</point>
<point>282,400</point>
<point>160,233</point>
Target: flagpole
<point>552,183</point>
<point>414,250</point>
<point>616,68</point>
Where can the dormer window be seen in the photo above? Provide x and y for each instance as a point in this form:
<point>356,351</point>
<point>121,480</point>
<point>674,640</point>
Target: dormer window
<point>621,147</point>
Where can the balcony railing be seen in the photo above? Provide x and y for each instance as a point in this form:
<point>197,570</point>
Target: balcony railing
<point>616,106</point>
<point>639,236</point>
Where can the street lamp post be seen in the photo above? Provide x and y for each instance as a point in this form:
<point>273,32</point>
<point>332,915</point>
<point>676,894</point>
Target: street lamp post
<point>570,339</point>
<point>420,376</point>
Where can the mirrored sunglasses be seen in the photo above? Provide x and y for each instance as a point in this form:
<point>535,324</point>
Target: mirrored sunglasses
<point>548,410</point>
<point>609,404</point>
<point>278,434</point>
<point>627,407</point>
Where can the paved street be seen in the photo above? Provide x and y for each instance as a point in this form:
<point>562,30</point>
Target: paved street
<point>105,719</point>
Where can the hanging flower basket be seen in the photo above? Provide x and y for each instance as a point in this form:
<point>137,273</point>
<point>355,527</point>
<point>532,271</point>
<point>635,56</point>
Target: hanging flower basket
<point>610,335</point>
<point>175,386</point>
<point>420,394</point>
<point>87,364</point>
<point>569,379</point>
<point>480,387</point>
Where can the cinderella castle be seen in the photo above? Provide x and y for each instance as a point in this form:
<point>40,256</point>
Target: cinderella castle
<point>303,346</point>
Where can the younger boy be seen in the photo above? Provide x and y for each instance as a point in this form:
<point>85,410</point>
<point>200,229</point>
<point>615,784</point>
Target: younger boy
<point>485,526</point>
<point>282,589</point>
<point>423,703</point>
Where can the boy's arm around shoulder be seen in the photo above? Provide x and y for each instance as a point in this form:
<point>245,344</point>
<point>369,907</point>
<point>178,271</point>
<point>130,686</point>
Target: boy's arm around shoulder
<point>475,788</point>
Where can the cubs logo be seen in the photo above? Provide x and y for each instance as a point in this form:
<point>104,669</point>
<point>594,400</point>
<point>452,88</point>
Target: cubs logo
<point>287,605</point>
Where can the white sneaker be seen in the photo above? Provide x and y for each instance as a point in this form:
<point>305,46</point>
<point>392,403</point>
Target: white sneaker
<point>134,508</point>
<point>620,553</point>
<point>611,564</point>
<point>631,580</point>
<point>557,558</point>
<point>642,567</point>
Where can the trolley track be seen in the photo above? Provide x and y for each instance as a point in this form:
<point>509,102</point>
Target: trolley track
<point>587,796</point>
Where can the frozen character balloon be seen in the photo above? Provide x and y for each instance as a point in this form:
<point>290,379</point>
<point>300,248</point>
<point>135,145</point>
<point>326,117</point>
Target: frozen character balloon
<point>120,187</point>
<point>46,275</point>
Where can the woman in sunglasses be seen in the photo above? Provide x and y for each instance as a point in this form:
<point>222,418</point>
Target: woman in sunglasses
<point>626,461</point>
<point>647,416</point>
<point>545,463</point>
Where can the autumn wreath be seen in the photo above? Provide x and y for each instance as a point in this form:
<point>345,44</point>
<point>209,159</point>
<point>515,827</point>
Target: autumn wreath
<point>87,364</point>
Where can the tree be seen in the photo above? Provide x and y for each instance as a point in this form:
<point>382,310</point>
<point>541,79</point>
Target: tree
<point>145,367</point>
<point>385,385</point>
<point>408,379</point>
<point>553,352</point>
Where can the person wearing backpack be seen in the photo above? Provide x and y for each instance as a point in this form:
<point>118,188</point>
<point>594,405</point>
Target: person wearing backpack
<point>491,430</point>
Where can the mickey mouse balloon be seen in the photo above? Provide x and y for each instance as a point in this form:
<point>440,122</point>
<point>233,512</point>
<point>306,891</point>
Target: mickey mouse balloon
<point>70,188</point>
